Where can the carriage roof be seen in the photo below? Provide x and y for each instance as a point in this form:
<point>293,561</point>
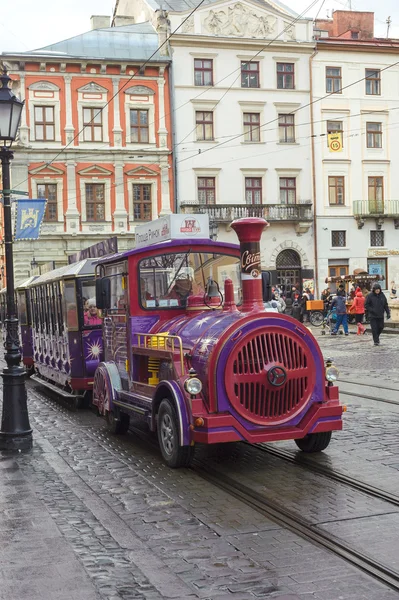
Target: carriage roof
<point>78,269</point>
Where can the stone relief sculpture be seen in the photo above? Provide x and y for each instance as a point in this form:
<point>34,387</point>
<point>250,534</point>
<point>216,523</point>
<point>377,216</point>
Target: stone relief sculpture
<point>239,21</point>
<point>188,26</point>
<point>289,32</point>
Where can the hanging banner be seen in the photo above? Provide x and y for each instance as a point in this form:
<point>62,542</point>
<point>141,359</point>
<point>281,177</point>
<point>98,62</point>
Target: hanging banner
<point>335,142</point>
<point>28,218</point>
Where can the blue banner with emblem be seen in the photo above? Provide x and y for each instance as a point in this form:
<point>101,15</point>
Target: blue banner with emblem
<point>29,216</point>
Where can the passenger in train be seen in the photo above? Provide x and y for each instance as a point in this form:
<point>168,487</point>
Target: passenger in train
<point>91,317</point>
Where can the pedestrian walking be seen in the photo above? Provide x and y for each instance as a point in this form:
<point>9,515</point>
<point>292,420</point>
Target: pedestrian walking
<point>339,303</point>
<point>376,305</point>
<point>357,309</point>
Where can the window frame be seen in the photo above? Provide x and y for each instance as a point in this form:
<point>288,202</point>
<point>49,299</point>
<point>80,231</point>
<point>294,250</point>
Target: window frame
<point>283,128</point>
<point>335,130</point>
<point>49,203</point>
<point>139,128</point>
<point>248,72</point>
<point>205,188</point>
<point>287,188</point>
<point>252,127</point>
<point>95,203</point>
<point>380,260</point>
<point>375,82</point>
<point>338,231</point>
<point>142,202</point>
<point>333,79</point>
<point>202,70</point>
<point>377,232</point>
<point>253,189</point>
<point>44,123</point>
<point>335,187</point>
<point>90,125</point>
<point>375,187</point>
<point>285,74</point>
<point>203,125</point>
<point>375,135</point>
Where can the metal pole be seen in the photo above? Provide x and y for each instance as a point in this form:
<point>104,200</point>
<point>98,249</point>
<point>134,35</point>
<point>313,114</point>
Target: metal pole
<point>15,433</point>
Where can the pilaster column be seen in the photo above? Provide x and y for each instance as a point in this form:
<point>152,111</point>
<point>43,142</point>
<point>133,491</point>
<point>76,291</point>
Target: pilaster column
<point>162,131</point>
<point>72,213</point>
<point>165,195</point>
<point>117,130</point>
<point>120,214</point>
<point>23,129</point>
<point>69,128</point>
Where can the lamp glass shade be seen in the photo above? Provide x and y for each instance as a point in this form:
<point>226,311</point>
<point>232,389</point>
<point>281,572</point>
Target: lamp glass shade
<point>10,111</point>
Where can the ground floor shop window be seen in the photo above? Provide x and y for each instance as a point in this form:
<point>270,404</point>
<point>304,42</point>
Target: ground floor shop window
<point>378,266</point>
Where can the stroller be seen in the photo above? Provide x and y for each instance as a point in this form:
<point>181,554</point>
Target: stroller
<point>329,322</point>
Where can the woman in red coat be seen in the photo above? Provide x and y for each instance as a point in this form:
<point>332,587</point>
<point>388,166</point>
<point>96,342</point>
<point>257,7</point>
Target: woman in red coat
<point>358,309</point>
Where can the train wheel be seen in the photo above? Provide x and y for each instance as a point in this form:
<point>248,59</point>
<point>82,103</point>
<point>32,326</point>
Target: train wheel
<point>173,454</point>
<point>314,442</point>
<point>117,423</point>
<point>316,318</point>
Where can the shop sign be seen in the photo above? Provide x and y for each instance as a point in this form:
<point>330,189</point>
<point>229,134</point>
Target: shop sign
<point>373,252</point>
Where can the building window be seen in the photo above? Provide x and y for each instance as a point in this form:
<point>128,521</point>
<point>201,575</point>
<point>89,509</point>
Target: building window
<point>374,135</point>
<point>336,191</point>
<point>251,127</point>
<point>253,190</point>
<point>377,266</point>
<point>142,205</point>
<point>286,127</point>
<point>44,123</point>
<point>204,125</point>
<point>376,193</point>
<point>249,74</point>
<point>335,127</point>
<point>49,191</point>
<point>206,190</point>
<point>377,238</point>
<point>139,126</point>
<point>354,35</point>
<point>95,202</point>
<point>93,124</point>
<point>333,80</point>
<point>203,72</point>
<point>338,239</point>
<point>285,76</point>
<point>373,82</point>
<point>287,190</point>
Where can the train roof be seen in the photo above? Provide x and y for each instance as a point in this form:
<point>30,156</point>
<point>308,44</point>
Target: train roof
<point>167,247</point>
<point>78,269</point>
<point>26,283</point>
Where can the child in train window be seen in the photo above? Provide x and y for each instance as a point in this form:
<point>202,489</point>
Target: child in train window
<point>91,316</point>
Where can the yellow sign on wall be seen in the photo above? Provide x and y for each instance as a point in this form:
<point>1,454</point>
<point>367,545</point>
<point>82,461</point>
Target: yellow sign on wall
<point>335,142</point>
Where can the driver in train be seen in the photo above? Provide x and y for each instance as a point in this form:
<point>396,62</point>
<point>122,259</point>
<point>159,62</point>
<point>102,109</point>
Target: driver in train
<point>91,317</point>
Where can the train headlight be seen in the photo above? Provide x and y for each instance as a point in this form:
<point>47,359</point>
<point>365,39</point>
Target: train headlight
<point>332,373</point>
<point>193,386</point>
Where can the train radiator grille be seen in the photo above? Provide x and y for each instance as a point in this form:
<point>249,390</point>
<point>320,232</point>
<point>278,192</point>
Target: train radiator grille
<point>270,377</point>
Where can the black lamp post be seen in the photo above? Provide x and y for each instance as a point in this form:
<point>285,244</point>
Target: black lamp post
<point>15,433</point>
<point>33,264</point>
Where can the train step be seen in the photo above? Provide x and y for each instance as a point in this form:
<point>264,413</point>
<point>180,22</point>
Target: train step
<point>55,388</point>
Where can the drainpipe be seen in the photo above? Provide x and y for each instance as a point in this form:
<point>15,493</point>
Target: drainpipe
<point>176,205</point>
<point>316,265</point>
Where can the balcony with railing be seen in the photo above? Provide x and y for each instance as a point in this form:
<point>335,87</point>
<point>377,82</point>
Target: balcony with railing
<point>225,213</point>
<point>376,209</point>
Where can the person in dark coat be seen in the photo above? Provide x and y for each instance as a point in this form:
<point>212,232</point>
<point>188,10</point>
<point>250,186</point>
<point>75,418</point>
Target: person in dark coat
<point>376,305</point>
<point>342,318</point>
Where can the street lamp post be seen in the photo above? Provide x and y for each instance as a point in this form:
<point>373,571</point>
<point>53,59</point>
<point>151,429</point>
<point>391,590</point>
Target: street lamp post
<point>15,433</point>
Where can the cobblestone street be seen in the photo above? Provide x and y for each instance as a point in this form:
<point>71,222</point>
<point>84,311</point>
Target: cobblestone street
<point>90,516</point>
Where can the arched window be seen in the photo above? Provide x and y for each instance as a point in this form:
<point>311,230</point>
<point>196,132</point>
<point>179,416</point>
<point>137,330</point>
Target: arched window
<point>288,266</point>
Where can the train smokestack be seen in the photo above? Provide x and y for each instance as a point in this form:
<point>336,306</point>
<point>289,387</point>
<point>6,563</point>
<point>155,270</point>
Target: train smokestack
<point>249,231</point>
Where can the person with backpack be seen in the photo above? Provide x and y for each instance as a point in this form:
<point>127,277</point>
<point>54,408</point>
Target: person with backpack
<point>357,309</point>
<point>339,303</point>
<point>376,305</point>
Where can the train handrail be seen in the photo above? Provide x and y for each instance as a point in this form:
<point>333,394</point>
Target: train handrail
<point>161,341</point>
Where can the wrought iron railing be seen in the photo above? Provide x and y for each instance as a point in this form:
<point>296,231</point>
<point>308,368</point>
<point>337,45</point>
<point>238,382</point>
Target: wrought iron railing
<point>225,213</point>
<point>376,208</point>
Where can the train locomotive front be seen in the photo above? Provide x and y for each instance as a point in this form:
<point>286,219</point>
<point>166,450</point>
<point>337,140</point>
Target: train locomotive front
<point>216,372</point>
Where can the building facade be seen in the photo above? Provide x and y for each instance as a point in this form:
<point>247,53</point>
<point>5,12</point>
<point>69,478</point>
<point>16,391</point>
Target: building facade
<point>242,121</point>
<point>95,138</point>
<point>355,95</point>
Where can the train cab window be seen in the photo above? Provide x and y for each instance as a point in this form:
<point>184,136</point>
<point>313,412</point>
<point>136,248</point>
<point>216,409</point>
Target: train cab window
<point>91,314</point>
<point>71,309</point>
<point>167,280</point>
<point>118,279</point>
<point>22,308</point>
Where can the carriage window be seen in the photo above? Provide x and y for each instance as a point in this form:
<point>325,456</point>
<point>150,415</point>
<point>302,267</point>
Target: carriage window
<point>91,315</point>
<point>167,280</point>
<point>118,278</point>
<point>22,309</point>
<point>70,305</point>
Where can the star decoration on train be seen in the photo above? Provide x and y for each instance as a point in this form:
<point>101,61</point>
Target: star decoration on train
<point>201,321</point>
<point>95,350</point>
<point>205,343</point>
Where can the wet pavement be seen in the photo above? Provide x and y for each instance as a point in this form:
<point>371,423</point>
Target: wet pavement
<point>87,515</point>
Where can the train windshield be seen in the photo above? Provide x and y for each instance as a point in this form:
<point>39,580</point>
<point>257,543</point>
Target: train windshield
<point>167,280</point>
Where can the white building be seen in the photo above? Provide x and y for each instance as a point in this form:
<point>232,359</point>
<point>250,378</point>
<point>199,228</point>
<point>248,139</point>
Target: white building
<point>356,188</point>
<point>242,121</point>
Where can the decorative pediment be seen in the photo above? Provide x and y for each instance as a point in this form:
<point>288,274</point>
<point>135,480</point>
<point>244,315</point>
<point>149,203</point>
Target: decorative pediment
<point>46,170</point>
<point>139,90</point>
<point>44,85</point>
<point>141,171</point>
<point>93,87</point>
<point>95,170</point>
<point>239,20</point>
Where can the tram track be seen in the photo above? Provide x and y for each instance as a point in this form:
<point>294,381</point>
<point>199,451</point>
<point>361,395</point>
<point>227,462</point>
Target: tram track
<point>300,526</point>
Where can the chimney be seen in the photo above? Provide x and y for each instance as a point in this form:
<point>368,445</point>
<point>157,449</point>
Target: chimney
<point>100,21</point>
<point>249,231</point>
